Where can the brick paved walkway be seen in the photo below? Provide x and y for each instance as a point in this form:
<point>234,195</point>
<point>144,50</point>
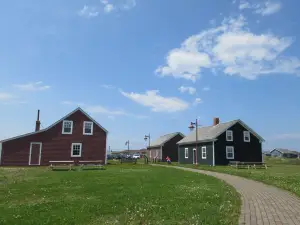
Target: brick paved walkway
<point>261,204</point>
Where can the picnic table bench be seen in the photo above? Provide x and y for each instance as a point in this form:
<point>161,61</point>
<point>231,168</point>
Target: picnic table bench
<point>248,165</point>
<point>91,163</point>
<point>124,160</point>
<point>62,164</point>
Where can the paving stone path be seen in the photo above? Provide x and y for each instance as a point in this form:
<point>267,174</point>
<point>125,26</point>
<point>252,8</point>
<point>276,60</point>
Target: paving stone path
<point>261,204</point>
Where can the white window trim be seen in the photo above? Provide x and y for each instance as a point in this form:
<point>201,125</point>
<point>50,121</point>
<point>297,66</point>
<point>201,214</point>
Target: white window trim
<point>202,151</point>
<point>247,133</point>
<point>229,132</point>
<point>92,127</point>
<point>80,144</point>
<point>186,153</point>
<point>63,126</point>
<point>227,148</point>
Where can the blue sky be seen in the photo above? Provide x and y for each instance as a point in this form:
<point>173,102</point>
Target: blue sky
<point>140,66</point>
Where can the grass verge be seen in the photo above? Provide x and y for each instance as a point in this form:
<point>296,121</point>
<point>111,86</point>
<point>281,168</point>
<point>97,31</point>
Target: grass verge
<point>282,173</point>
<point>121,194</point>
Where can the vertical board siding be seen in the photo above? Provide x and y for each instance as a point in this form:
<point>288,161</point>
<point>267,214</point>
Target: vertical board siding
<point>189,160</point>
<point>243,151</point>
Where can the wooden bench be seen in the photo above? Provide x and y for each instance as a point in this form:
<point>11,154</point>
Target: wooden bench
<point>248,165</point>
<point>61,164</point>
<point>91,163</point>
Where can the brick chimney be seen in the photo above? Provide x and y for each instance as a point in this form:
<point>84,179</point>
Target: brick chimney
<point>38,123</point>
<point>216,121</point>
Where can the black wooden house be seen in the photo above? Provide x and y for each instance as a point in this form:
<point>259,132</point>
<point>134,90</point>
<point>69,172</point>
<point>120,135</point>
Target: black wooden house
<point>221,143</point>
<point>164,146</point>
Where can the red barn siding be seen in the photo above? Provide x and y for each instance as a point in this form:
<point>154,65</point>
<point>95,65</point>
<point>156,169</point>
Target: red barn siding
<point>57,146</point>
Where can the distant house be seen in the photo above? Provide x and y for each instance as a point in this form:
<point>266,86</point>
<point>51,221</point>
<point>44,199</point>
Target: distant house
<point>164,146</point>
<point>76,136</point>
<point>266,153</point>
<point>284,153</point>
<point>221,143</point>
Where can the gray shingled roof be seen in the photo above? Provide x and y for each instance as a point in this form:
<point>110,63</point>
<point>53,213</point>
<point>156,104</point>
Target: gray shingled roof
<point>286,151</point>
<point>163,139</point>
<point>212,132</point>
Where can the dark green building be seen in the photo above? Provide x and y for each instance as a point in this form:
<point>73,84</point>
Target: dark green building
<point>221,143</point>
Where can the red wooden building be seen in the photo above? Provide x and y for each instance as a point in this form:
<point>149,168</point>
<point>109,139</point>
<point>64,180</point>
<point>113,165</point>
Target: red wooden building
<point>76,137</point>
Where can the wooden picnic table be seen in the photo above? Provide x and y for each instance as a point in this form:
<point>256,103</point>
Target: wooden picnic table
<point>248,165</point>
<point>68,164</point>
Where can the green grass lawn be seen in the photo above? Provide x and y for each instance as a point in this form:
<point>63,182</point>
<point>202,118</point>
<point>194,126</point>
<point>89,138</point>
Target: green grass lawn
<point>121,194</point>
<point>283,173</point>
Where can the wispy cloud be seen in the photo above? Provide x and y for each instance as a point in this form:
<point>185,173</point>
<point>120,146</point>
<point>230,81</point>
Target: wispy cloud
<point>189,90</point>
<point>129,4</point>
<point>233,49</point>
<point>98,109</point>
<point>156,102</point>
<point>5,97</point>
<point>269,8</point>
<point>36,86</point>
<point>264,8</point>
<point>197,101</point>
<point>88,11</point>
<point>107,86</point>
<point>206,89</point>
<point>109,7</point>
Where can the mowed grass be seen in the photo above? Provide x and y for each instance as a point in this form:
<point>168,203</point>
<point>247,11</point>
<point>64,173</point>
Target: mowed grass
<point>282,173</point>
<point>121,194</point>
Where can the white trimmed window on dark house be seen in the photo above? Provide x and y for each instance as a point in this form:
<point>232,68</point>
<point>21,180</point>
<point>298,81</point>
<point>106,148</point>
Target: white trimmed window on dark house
<point>67,127</point>
<point>88,128</point>
<point>246,136</point>
<point>229,152</point>
<point>203,150</point>
<point>76,149</point>
<point>229,135</point>
<point>186,153</point>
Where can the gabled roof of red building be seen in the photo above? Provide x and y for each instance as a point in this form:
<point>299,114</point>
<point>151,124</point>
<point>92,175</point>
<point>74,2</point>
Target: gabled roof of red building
<point>57,122</point>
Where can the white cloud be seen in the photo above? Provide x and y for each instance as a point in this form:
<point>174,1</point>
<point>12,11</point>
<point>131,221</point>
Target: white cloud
<point>292,136</point>
<point>5,97</point>
<point>156,102</point>
<point>36,86</point>
<point>109,8</point>
<point>190,90</point>
<point>122,5</point>
<point>129,4</point>
<point>233,49</point>
<point>206,89</point>
<point>183,63</point>
<point>107,86</point>
<point>244,5</point>
<point>268,8</point>
<point>265,8</point>
<point>197,101</point>
<point>88,12</point>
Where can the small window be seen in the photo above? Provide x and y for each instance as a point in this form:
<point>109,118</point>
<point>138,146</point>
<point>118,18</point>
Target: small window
<point>229,152</point>
<point>88,128</point>
<point>203,152</point>
<point>67,127</point>
<point>186,153</point>
<point>229,135</point>
<point>246,136</point>
<point>76,150</point>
